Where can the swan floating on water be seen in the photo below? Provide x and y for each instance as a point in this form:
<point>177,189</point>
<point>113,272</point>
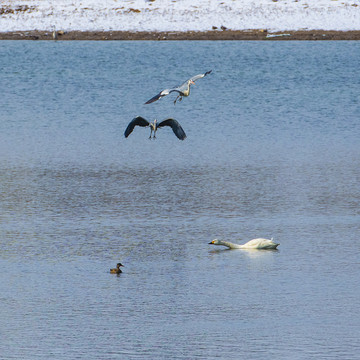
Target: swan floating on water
<point>259,243</point>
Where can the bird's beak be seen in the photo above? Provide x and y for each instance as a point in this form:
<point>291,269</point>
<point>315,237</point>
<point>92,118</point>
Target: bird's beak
<point>211,243</point>
<point>192,83</point>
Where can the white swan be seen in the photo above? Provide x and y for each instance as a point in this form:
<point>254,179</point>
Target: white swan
<point>259,243</point>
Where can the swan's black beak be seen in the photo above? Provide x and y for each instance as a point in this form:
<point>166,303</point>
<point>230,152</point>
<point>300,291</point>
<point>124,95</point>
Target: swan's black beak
<point>210,243</point>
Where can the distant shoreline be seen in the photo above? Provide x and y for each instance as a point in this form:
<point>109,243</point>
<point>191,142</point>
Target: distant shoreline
<point>188,35</point>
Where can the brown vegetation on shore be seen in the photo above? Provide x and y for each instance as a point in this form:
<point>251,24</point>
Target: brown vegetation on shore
<point>189,35</point>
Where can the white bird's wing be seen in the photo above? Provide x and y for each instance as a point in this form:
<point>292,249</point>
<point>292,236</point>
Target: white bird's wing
<point>184,85</point>
<point>159,95</point>
<point>260,243</point>
<point>180,89</point>
<point>199,76</point>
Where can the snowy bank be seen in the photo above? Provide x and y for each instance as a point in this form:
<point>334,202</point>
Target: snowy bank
<point>179,15</point>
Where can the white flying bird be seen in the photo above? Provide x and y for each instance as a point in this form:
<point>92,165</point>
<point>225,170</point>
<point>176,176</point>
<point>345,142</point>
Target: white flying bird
<point>182,90</point>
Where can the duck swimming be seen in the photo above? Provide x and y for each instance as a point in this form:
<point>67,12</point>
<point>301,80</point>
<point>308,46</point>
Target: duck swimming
<point>117,270</point>
<point>259,243</point>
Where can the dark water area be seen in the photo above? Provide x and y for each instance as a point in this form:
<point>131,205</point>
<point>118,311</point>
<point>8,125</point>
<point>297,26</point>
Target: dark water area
<point>272,150</point>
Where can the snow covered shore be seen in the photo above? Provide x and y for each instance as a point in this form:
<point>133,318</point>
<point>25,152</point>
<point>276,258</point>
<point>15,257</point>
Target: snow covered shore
<point>178,15</point>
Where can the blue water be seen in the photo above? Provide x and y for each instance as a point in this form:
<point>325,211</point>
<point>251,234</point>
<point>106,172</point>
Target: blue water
<point>272,150</point>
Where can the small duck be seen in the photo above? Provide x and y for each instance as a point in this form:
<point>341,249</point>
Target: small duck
<point>117,270</point>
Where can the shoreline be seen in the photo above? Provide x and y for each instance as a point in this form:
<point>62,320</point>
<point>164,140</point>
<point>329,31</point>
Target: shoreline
<point>188,35</point>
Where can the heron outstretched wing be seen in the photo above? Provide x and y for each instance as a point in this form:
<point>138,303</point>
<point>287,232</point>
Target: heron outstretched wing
<point>137,121</point>
<point>199,76</point>
<point>184,85</point>
<point>176,127</point>
<point>159,96</point>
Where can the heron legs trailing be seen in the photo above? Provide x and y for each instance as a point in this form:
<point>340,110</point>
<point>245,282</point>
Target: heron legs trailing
<point>152,130</point>
<point>179,96</point>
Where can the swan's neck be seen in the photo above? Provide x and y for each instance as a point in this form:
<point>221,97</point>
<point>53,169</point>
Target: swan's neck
<point>231,245</point>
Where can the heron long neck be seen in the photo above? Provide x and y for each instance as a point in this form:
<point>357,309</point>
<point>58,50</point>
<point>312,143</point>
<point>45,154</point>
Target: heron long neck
<point>187,91</point>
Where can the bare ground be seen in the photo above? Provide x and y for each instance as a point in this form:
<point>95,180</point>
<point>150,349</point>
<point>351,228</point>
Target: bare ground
<point>189,35</point>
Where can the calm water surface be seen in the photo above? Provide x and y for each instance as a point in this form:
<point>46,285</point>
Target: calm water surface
<point>272,150</point>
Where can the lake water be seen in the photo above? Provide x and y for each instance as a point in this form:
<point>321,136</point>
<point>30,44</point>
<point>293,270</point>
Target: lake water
<point>272,150</point>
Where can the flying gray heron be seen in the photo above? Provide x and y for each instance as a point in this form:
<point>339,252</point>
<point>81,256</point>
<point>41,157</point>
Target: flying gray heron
<point>140,121</point>
<point>183,89</point>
